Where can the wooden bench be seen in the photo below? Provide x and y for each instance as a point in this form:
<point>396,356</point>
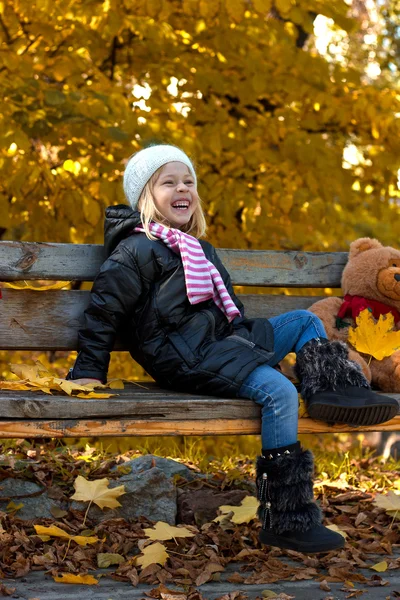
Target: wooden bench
<point>49,320</point>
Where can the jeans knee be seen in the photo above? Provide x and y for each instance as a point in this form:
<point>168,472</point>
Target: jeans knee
<point>307,315</point>
<point>285,399</point>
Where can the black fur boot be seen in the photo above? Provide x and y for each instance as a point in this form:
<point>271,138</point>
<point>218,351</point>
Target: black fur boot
<point>334,388</point>
<point>290,517</point>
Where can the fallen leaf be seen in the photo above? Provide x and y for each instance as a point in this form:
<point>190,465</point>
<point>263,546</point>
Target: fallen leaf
<point>6,591</point>
<point>12,507</point>
<point>116,384</point>
<point>163,531</point>
<point>93,395</point>
<point>324,586</point>
<point>105,559</point>
<point>390,502</point>
<point>98,492</point>
<point>155,553</point>
<point>241,514</point>
<point>380,567</point>
<point>337,529</point>
<point>55,531</point>
<point>57,512</point>
<point>70,578</point>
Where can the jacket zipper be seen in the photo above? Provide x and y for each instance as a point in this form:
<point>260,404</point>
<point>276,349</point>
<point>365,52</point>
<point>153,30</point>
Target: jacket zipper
<point>242,340</point>
<point>211,318</point>
<point>250,344</point>
<point>265,499</point>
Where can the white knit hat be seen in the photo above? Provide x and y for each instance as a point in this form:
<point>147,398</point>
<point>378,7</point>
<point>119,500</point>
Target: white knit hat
<point>145,163</point>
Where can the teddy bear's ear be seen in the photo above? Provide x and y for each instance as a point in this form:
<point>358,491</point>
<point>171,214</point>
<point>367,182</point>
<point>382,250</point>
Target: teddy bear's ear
<point>362,245</point>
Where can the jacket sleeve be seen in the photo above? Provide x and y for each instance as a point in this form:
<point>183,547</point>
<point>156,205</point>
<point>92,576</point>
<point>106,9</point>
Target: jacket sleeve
<point>227,281</point>
<point>114,294</point>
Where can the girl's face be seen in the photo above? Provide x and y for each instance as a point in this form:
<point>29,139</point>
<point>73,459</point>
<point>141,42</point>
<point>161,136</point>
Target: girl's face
<point>175,194</point>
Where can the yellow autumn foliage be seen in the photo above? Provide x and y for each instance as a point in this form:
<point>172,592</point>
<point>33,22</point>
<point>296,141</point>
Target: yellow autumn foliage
<point>54,531</point>
<point>375,338</point>
<point>97,491</point>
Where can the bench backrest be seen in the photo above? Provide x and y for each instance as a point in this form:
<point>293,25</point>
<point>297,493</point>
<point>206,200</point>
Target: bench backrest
<point>49,320</point>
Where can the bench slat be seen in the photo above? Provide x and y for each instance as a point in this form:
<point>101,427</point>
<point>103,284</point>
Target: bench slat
<point>134,427</point>
<point>50,320</point>
<point>81,262</point>
<point>144,400</point>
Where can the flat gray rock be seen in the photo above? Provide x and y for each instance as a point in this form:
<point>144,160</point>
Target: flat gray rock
<point>148,494</point>
<point>34,507</point>
<point>167,465</point>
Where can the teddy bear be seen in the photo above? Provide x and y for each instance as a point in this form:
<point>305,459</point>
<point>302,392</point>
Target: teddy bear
<point>370,280</point>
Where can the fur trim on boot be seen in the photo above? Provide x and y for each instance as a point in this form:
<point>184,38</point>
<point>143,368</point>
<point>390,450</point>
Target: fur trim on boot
<point>290,517</point>
<point>285,491</point>
<point>322,365</point>
<point>335,389</point>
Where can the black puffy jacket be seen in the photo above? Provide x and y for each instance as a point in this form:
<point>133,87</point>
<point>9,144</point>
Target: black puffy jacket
<point>140,294</point>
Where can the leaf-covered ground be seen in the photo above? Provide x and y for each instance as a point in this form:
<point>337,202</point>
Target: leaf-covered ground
<point>351,492</point>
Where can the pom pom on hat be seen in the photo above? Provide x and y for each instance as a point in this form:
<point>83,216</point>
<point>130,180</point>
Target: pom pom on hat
<point>145,163</point>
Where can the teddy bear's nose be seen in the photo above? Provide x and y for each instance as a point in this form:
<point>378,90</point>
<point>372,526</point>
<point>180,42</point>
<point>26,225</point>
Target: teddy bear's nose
<point>397,277</point>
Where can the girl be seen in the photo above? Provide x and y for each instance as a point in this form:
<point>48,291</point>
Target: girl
<point>171,299</point>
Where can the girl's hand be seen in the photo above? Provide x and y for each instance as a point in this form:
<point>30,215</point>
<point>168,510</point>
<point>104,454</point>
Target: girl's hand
<point>84,381</point>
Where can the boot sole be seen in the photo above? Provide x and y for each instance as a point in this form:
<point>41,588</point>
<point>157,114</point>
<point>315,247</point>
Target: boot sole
<point>269,539</point>
<point>356,416</point>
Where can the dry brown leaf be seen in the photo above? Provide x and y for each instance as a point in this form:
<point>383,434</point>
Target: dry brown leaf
<point>6,591</point>
<point>324,586</point>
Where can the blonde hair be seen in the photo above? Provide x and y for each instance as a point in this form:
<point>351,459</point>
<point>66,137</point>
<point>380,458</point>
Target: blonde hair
<point>196,227</point>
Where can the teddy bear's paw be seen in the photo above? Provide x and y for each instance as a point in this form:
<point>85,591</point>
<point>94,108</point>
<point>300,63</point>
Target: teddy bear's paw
<point>386,373</point>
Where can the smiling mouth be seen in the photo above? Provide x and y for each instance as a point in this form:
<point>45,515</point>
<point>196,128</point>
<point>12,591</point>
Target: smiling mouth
<point>181,205</point>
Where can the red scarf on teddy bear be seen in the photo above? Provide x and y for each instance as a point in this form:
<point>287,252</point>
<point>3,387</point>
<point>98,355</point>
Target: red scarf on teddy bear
<point>353,305</point>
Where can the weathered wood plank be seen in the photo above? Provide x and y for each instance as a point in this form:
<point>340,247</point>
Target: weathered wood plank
<point>135,427</point>
<point>50,320</point>
<point>81,262</point>
<point>142,401</point>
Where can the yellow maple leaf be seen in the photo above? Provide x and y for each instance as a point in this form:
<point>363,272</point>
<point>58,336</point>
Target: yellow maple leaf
<point>155,553</point>
<point>380,566</point>
<point>98,492</point>
<point>337,529</point>
<point>302,408</point>
<point>163,531</point>
<point>241,514</point>
<point>375,338</point>
<point>39,378</point>
<point>70,578</point>
<point>390,502</point>
<point>55,531</point>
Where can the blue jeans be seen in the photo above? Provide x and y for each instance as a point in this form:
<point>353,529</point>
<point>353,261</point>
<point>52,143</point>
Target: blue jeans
<point>265,385</point>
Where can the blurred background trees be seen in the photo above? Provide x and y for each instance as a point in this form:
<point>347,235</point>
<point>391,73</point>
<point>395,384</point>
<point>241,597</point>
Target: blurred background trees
<point>290,109</point>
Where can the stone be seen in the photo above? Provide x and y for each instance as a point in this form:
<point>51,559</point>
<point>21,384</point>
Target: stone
<point>150,494</point>
<point>34,507</point>
<point>196,507</point>
<point>168,466</point>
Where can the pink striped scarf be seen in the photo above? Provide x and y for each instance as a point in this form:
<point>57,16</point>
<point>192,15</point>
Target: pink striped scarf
<point>203,280</point>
